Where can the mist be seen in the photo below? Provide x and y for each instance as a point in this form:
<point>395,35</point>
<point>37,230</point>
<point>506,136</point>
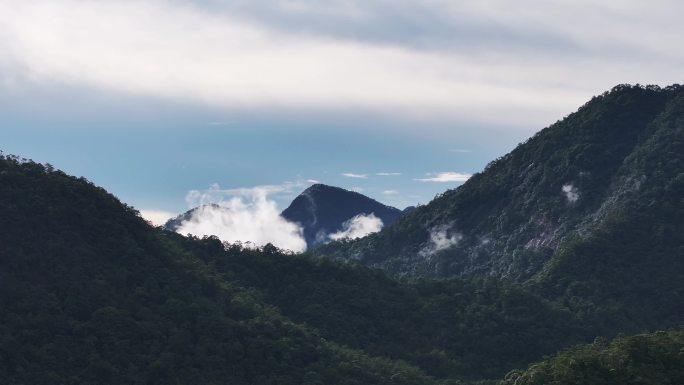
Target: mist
<point>358,227</point>
<point>571,193</point>
<point>441,238</point>
<point>249,216</point>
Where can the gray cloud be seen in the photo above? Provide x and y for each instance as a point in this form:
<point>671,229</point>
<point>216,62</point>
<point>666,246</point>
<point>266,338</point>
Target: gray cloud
<point>492,61</point>
<point>435,25</point>
<point>524,27</point>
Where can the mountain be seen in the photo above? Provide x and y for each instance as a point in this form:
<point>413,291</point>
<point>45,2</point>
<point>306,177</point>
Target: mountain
<point>175,223</point>
<point>614,167</point>
<point>91,293</point>
<point>323,210</point>
<point>464,329</point>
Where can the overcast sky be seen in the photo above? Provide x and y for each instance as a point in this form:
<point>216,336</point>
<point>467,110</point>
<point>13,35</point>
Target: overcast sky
<point>397,99</point>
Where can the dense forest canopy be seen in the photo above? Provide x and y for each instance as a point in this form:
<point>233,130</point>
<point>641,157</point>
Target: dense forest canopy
<point>513,220</point>
<point>91,293</point>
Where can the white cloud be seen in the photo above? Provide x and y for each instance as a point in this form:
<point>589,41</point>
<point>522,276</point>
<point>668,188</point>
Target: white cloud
<point>156,217</point>
<point>571,192</point>
<point>524,62</point>
<point>390,192</point>
<point>388,173</point>
<point>245,215</point>
<point>359,226</point>
<point>356,189</point>
<point>444,177</point>
<point>441,238</point>
<point>353,175</point>
<point>181,51</point>
<point>314,181</point>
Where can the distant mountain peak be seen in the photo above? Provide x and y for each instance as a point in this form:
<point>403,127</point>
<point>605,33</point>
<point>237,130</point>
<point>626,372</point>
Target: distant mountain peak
<point>322,210</point>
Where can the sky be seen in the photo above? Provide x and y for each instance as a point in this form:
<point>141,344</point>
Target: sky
<point>161,100</point>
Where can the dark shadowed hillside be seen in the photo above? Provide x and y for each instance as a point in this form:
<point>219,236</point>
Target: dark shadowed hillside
<point>656,359</point>
<point>459,328</point>
<point>615,162</point>
<point>322,210</point>
<point>90,293</point>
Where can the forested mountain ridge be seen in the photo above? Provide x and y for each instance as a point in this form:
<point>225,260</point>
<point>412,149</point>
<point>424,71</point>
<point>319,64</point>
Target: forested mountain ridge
<point>322,210</point>
<point>618,156</point>
<point>630,255</point>
<point>91,293</point>
<point>468,329</point>
<point>653,359</point>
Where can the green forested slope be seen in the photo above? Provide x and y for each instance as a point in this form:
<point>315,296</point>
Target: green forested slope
<point>630,258</point>
<point>510,220</point>
<point>456,328</point>
<point>90,293</point>
<point>650,359</point>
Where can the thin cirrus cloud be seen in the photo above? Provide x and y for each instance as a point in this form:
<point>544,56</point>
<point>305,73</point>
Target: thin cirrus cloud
<point>445,177</point>
<point>388,173</point>
<point>354,175</point>
<point>390,192</point>
<point>528,62</point>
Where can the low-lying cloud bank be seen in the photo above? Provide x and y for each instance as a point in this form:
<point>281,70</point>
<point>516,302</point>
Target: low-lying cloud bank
<point>357,227</point>
<point>244,215</point>
<point>250,216</point>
